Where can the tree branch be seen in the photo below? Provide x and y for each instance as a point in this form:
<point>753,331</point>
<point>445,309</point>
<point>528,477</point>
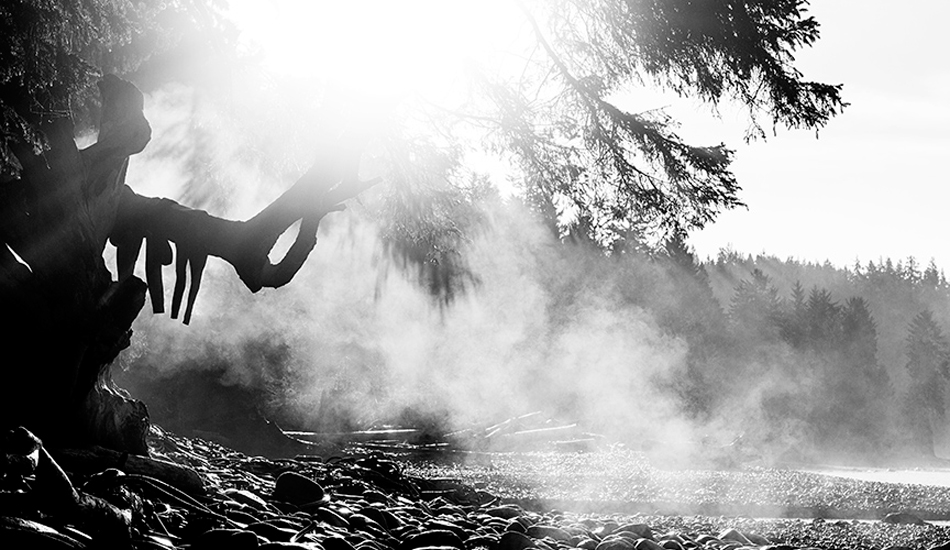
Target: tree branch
<point>244,244</point>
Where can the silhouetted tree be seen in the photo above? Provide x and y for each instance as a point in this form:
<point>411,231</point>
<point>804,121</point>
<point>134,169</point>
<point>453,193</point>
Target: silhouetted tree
<point>859,332</point>
<point>794,320</point>
<point>823,328</point>
<point>933,277</point>
<point>755,308</point>
<point>692,312</point>
<point>68,316</point>
<point>855,358</point>
<point>928,361</point>
<point>859,385</point>
<point>629,169</point>
<point>60,204</point>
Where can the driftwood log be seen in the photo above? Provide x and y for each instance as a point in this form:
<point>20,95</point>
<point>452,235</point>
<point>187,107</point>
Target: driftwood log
<point>67,317</point>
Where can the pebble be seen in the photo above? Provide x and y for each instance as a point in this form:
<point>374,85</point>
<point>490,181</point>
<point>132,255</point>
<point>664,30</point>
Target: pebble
<point>370,503</point>
<point>513,540</point>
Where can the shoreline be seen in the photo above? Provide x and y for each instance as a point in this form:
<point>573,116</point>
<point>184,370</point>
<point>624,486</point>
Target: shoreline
<point>620,481</point>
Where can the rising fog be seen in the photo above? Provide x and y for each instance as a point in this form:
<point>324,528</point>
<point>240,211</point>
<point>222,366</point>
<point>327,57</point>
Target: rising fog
<point>628,346</point>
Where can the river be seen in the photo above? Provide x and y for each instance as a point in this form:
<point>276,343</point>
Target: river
<point>934,477</point>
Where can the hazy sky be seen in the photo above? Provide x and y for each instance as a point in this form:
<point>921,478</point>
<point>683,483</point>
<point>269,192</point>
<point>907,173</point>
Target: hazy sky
<point>875,182</point>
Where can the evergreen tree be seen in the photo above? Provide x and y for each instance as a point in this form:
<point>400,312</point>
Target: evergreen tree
<point>911,270</point>
<point>859,332</point>
<point>695,315</point>
<point>823,323</point>
<point>755,311</point>
<point>622,169</point>
<point>861,387</point>
<point>933,278</point>
<point>794,319</point>
<point>928,365</point>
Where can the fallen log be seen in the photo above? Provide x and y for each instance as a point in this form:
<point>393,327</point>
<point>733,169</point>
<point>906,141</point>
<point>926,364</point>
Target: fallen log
<point>96,459</point>
<point>355,436</point>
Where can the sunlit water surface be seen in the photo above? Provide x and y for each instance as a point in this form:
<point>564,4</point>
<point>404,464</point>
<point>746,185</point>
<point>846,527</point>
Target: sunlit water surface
<point>939,477</point>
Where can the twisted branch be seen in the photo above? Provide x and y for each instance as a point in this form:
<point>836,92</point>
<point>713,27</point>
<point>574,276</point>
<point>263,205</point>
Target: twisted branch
<point>244,244</point>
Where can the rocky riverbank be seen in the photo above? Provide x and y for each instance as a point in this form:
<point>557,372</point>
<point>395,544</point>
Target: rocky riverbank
<point>358,500</point>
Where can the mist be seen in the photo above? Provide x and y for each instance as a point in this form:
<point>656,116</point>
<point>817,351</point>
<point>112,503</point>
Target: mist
<point>643,348</point>
<point>537,332</point>
<point>354,339</point>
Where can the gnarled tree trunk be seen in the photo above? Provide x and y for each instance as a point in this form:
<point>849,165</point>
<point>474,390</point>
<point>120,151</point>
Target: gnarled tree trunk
<point>67,317</point>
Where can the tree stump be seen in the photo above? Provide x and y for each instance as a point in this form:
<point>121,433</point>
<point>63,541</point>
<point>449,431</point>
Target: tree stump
<point>68,317</point>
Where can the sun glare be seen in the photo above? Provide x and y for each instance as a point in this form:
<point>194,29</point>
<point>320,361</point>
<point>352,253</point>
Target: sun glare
<point>381,48</point>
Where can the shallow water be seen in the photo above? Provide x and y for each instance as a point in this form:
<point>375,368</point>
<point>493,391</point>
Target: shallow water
<point>919,476</point>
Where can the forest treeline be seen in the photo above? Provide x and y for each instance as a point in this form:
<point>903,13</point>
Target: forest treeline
<point>821,361</point>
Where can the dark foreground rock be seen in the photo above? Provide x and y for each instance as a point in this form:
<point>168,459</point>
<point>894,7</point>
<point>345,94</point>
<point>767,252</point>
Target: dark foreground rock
<point>365,501</point>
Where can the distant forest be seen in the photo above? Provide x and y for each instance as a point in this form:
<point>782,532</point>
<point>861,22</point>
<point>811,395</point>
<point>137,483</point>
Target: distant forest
<point>840,362</point>
<point>807,361</point>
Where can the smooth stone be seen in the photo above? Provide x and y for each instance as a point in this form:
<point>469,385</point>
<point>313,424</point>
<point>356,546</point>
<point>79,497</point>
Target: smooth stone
<point>434,537</point>
<point>547,531</point>
<point>376,515</point>
<point>513,540</point>
<point>271,532</point>
<point>757,540</point>
<point>617,543</point>
<point>360,521</point>
<point>297,489</point>
<point>438,524</point>
<point>735,536</point>
<point>505,511</point>
<point>641,529</point>
<point>336,543</point>
<point>904,518</point>
<point>481,541</point>
<point>377,497</point>
<point>330,517</point>
<point>606,529</point>
<point>647,544</point>
<point>515,526</point>
<point>233,539</point>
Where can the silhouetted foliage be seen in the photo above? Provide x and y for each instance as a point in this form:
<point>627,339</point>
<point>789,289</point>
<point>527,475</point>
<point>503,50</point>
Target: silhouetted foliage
<point>928,361</point>
<point>754,309</point>
<point>584,152</point>
<point>848,348</point>
<point>822,320</point>
<point>859,333</point>
<point>607,177</point>
<point>794,321</point>
<point>51,53</point>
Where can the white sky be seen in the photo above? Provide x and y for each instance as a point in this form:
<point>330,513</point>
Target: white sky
<point>874,184</point>
<point>871,186</point>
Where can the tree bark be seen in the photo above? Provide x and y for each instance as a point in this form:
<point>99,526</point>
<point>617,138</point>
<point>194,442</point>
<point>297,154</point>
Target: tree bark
<point>68,317</point>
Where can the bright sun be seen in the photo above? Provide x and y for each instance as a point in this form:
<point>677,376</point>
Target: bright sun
<point>379,47</point>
